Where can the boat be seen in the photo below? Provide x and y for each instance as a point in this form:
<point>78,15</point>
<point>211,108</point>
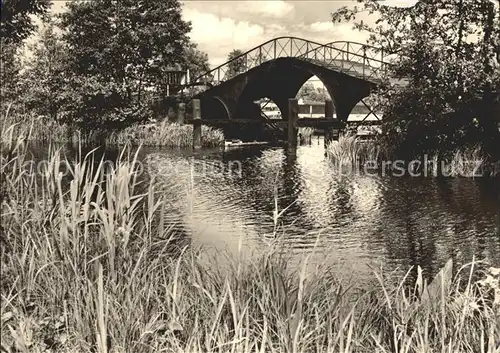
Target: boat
<point>239,143</point>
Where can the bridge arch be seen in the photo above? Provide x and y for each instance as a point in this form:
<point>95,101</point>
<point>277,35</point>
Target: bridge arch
<point>366,109</point>
<point>280,80</point>
<point>213,107</point>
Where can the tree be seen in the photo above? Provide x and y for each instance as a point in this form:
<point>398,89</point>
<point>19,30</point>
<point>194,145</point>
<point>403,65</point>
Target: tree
<point>119,54</point>
<point>310,93</point>
<point>236,63</point>
<point>17,18</point>
<point>446,50</point>
<point>196,61</point>
<point>45,79</point>
<point>16,25</point>
<point>9,72</point>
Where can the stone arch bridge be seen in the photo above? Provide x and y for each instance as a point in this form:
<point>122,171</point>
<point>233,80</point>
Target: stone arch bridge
<point>278,68</point>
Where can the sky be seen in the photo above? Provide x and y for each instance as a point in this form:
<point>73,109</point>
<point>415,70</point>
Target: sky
<point>221,26</point>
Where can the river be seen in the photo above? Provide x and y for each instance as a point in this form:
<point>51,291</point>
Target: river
<point>226,201</point>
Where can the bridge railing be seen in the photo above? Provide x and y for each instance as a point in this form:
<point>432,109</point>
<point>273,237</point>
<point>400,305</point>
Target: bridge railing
<point>353,58</point>
<point>270,50</point>
<point>349,57</point>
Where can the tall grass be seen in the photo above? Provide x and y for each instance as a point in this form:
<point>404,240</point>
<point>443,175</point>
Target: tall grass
<point>305,135</point>
<point>350,151</point>
<point>89,265</point>
<point>163,134</point>
<point>37,128</point>
<point>166,134</point>
<point>467,162</point>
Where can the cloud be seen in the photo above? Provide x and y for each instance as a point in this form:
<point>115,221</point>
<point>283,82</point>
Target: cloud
<point>345,32</point>
<point>260,12</point>
<point>268,8</point>
<point>326,32</point>
<point>219,35</point>
<point>275,30</point>
<point>399,3</point>
<point>208,27</point>
<point>321,26</point>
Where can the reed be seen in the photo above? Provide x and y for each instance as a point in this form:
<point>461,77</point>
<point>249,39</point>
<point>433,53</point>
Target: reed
<point>89,265</point>
<point>166,134</point>
<point>467,162</point>
<point>305,135</point>
<point>37,128</point>
<point>350,151</point>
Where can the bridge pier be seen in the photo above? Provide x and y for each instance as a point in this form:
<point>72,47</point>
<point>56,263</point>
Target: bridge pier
<point>329,110</point>
<point>196,124</point>
<point>181,113</point>
<point>293,116</point>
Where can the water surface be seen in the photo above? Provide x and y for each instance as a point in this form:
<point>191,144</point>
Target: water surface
<point>359,221</point>
<point>228,201</point>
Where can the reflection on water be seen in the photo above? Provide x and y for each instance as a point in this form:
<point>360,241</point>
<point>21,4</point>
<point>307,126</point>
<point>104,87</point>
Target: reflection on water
<point>220,199</point>
<point>359,220</point>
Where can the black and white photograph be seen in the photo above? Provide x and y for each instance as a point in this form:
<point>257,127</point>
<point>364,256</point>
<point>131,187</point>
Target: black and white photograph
<point>250,176</point>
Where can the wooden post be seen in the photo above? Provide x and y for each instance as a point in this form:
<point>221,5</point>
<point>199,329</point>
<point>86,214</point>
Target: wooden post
<point>293,115</point>
<point>196,124</point>
<point>328,115</point>
<point>181,113</point>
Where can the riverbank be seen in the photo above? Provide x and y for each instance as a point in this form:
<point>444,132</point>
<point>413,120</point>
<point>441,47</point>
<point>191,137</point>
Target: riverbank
<point>94,267</point>
<point>352,153</point>
<point>158,134</point>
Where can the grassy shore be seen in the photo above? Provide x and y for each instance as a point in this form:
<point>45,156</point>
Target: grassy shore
<point>89,265</point>
<point>166,134</point>
<point>349,151</point>
<point>161,134</point>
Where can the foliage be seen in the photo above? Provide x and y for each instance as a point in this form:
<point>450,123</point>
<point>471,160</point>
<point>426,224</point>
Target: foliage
<point>119,55</point>
<point>45,78</point>
<point>90,264</point>
<point>196,61</point>
<point>17,18</point>
<point>312,94</point>
<point>237,63</point>
<point>9,73</point>
<point>106,69</point>
<point>466,163</point>
<point>350,152</point>
<point>448,52</point>
<point>198,64</point>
